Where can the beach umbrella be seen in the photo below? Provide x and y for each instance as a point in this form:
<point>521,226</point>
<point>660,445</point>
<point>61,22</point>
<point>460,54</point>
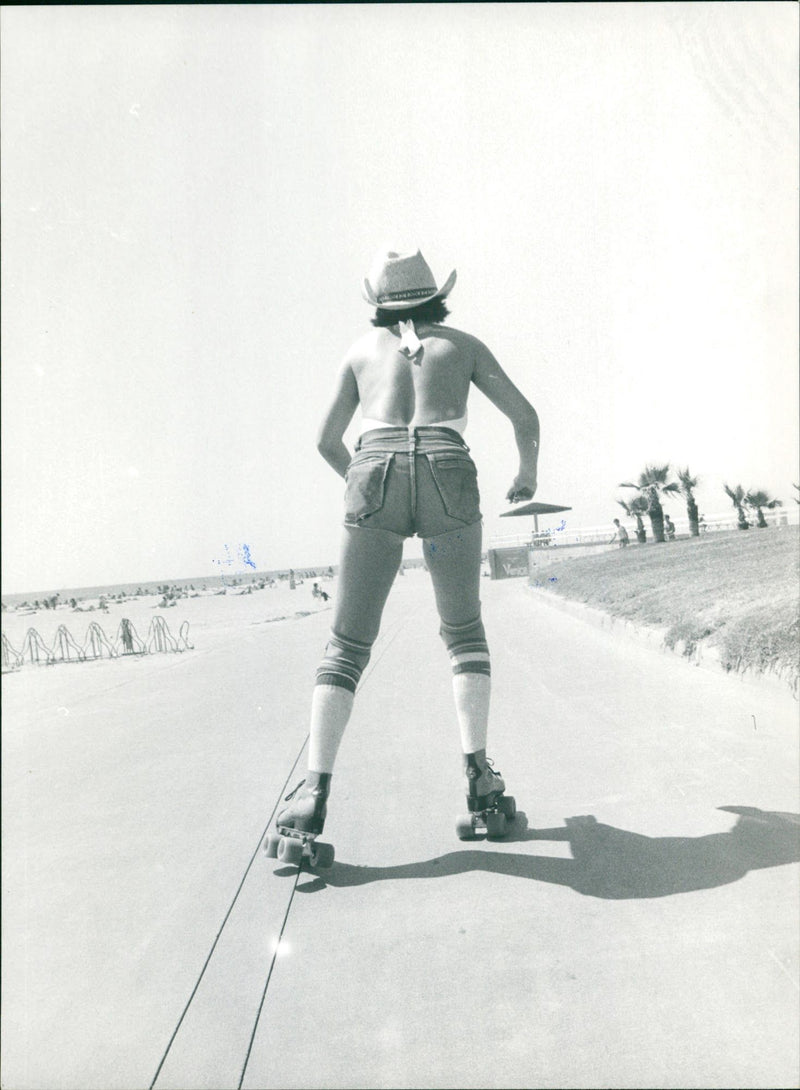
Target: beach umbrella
<point>534,508</point>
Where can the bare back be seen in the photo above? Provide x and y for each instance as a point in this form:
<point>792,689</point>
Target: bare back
<point>430,389</point>
<point>397,390</point>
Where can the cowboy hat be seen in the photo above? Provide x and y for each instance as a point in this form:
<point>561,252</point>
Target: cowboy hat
<point>402,281</point>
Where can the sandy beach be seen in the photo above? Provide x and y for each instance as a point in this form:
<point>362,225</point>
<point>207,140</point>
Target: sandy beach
<point>211,616</point>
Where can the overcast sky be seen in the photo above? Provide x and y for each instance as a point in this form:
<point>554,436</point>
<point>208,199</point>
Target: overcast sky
<point>192,195</point>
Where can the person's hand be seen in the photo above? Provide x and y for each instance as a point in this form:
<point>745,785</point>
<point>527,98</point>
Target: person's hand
<point>523,488</point>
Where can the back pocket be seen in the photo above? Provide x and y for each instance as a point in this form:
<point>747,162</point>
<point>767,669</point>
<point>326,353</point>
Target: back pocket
<point>366,484</point>
<point>457,480</point>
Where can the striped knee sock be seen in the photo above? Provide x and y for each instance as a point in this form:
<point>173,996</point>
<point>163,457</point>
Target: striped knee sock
<point>472,693</point>
<point>330,710</point>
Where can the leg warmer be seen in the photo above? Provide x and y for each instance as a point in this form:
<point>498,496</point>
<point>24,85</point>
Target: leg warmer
<point>467,647</point>
<point>344,662</point>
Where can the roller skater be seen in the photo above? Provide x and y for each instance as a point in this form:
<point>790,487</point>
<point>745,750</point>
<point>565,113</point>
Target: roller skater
<point>411,473</point>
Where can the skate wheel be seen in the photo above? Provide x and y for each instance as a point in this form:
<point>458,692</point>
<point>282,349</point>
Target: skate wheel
<point>271,845</point>
<point>507,805</point>
<point>495,824</point>
<point>322,856</point>
<point>290,851</point>
<point>465,828</point>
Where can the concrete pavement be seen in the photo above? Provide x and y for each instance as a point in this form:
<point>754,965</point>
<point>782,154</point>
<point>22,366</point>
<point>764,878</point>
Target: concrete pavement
<point>655,946</point>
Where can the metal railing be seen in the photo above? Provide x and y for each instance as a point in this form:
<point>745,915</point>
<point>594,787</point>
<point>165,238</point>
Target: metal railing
<point>597,535</point>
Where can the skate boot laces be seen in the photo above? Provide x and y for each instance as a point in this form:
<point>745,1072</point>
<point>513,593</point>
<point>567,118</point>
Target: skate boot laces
<point>492,773</point>
<point>293,792</point>
<point>488,781</point>
<point>307,811</point>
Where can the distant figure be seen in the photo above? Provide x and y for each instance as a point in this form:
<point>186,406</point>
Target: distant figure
<point>620,535</point>
<point>318,592</point>
<point>702,525</point>
<point>669,527</point>
<point>292,583</point>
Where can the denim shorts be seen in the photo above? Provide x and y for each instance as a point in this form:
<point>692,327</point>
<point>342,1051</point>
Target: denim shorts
<point>412,481</point>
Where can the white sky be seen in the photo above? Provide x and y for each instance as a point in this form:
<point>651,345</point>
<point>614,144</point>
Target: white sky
<point>192,195</point>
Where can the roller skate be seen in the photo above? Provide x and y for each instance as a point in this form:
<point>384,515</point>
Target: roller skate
<point>489,809</point>
<point>299,825</point>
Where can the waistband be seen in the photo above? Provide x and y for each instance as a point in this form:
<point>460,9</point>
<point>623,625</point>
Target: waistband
<point>425,438</point>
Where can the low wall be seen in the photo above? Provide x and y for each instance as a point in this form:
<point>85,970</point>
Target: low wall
<point>542,558</point>
<point>509,563</point>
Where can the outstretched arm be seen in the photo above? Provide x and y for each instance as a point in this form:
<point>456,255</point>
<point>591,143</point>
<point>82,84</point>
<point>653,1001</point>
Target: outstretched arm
<point>339,414</point>
<point>491,379</point>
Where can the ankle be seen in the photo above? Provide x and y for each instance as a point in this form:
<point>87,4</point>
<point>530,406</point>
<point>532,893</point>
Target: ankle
<point>475,763</point>
<point>318,783</point>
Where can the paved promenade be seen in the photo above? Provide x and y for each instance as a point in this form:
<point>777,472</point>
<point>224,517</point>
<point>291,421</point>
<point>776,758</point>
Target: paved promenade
<point>149,942</point>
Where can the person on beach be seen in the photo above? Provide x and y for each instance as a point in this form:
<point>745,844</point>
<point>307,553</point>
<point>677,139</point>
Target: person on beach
<point>411,473</point>
<point>669,528</point>
<point>620,534</point>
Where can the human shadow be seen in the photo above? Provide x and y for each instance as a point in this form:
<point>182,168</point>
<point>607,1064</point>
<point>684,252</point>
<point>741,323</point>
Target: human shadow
<point>609,863</point>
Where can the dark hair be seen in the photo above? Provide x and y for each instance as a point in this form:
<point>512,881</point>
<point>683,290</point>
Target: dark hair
<point>432,311</point>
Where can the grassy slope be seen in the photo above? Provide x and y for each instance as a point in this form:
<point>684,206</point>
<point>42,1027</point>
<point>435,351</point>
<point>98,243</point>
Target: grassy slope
<point>738,592</point>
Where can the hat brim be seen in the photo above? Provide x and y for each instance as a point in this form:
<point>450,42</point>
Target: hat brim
<point>408,304</point>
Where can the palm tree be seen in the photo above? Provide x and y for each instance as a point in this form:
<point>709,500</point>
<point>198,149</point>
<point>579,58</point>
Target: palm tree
<point>653,483</point>
<point>688,485</point>
<point>737,496</point>
<point>635,509</point>
<point>758,500</point>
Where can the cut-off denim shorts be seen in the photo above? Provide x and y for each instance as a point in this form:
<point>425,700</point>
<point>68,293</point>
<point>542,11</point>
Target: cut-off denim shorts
<point>412,481</point>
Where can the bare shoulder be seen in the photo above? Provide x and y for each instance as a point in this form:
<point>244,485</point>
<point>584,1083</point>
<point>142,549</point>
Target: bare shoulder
<point>364,348</point>
<point>484,358</point>
<point>453,344</point>
<point>468,344</point>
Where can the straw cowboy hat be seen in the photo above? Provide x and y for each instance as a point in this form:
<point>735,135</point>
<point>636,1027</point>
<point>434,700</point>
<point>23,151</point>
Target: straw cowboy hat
<point>402,281</point>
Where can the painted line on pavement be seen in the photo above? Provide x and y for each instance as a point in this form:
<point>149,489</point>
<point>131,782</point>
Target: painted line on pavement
<point>383,647</point>
<point>269,977</point>
<point>227,917</point>
<point>387,642</point>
